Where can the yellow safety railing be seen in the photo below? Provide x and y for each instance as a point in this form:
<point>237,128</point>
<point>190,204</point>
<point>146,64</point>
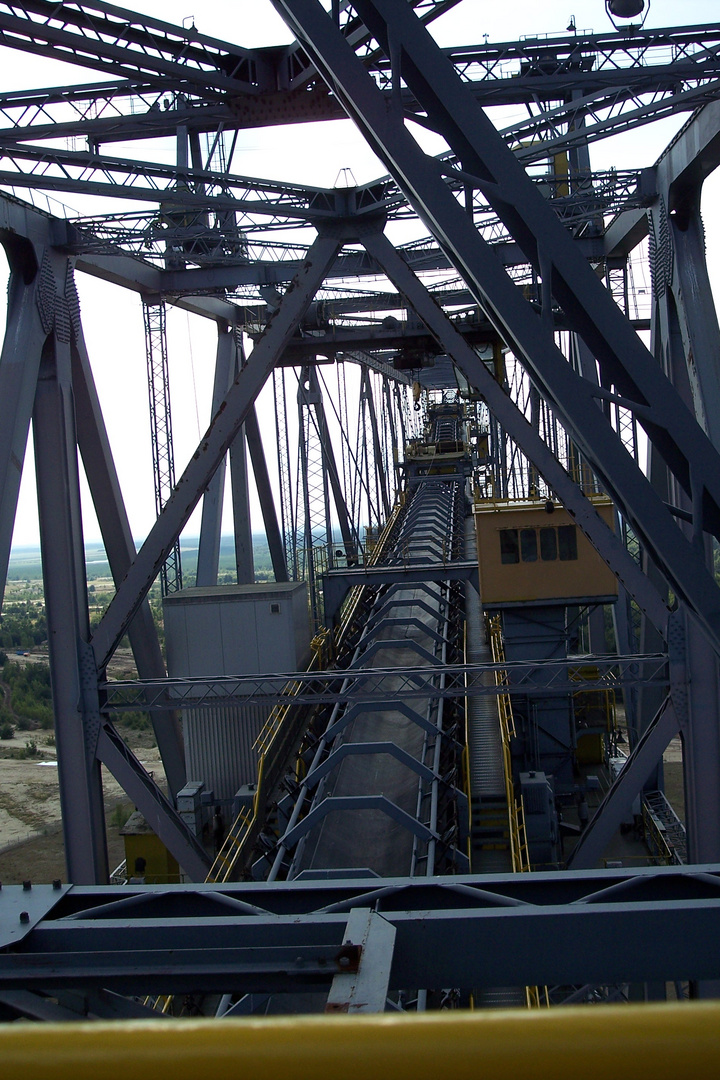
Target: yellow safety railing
<point>162,1003</point>
<point>232,847</point>
<point>321,648</point>
<point>664,1041</point>
<point>536,996</point>
<point>516,817</point>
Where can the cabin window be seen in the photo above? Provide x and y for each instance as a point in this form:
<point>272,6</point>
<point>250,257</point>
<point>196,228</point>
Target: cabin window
<point>528,545</point>
<point>521,545</point>
<point>509,546</point>
<point>548,545</point>
<point>567,543</point>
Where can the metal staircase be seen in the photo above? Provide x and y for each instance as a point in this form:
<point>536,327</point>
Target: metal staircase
<point>664,831</point>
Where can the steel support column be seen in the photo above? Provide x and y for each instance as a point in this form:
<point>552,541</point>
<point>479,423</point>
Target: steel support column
<point>686,341</point>
<point>63,557</point>
<point>380,478</point>
<point>701,746</point>
<point>242,525</point>
<point>19,363</point>
<point>333,480</point>
<point>211,522</point>
<point>265,496</point>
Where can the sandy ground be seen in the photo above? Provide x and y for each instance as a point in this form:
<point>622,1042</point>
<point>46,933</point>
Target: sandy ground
<point>31,842</point>
<point>30,809</point>
<point>29,790</point>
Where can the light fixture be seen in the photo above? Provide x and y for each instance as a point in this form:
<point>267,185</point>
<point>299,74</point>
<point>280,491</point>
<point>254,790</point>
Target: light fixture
<point>627,9</point>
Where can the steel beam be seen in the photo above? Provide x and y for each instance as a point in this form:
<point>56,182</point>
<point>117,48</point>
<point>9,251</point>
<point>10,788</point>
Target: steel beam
<point>119,546</point>
<point>265,496</point>
<point>333,479</point>
<point>211,522</point>
<point>462,931</point>
<point>686,341</point>
<point>215,443</point>
<point>321,687</point>
<point>354,803</point>
<point>159,813</point>
<point>696,688</point>
<point>366,989</point>
<point>74,684</point>
<point>19,364</point>
<point>242,526</point>
<point>336,583</point>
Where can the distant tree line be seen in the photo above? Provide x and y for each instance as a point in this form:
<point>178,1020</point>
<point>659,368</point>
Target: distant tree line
<point>22,625</point>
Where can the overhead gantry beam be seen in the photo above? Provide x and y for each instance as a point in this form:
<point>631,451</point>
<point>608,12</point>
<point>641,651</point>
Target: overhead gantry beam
<point>115,40</point>
<point>171,70</point>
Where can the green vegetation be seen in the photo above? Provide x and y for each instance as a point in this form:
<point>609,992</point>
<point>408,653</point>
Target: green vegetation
<point>27,697</point>
<point>25,693</point>
<point>226,562</point>
<point>23,625</point>
<point>135,721</point>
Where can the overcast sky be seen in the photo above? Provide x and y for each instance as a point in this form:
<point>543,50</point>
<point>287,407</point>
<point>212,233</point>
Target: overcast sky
<point>310,154</point>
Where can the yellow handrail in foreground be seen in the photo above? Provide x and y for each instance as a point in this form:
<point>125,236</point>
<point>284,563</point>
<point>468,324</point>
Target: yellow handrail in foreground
<point>664,1041</point>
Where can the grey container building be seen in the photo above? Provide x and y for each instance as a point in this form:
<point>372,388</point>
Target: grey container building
<point>232,630</point>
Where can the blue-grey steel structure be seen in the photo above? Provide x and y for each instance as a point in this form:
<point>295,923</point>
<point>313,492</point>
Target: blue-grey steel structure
<point>521,256</point>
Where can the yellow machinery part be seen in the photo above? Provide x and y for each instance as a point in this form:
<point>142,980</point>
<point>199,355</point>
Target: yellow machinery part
<point>664,1041</point>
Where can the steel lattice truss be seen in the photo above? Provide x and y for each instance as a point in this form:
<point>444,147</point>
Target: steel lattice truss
<point>200,84</point>
<point>263,937</point>
<point>320,687</point>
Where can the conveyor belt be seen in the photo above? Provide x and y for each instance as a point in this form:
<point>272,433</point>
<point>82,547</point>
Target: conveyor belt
<point>388,760</point>
<point>378,795</point>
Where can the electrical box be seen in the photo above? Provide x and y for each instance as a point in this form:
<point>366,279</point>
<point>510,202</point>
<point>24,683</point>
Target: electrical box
<point>237,629</point>
<point>541,821</point>
<point>232,630</point>
<point>141,843</point>
<point>189,805</point>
